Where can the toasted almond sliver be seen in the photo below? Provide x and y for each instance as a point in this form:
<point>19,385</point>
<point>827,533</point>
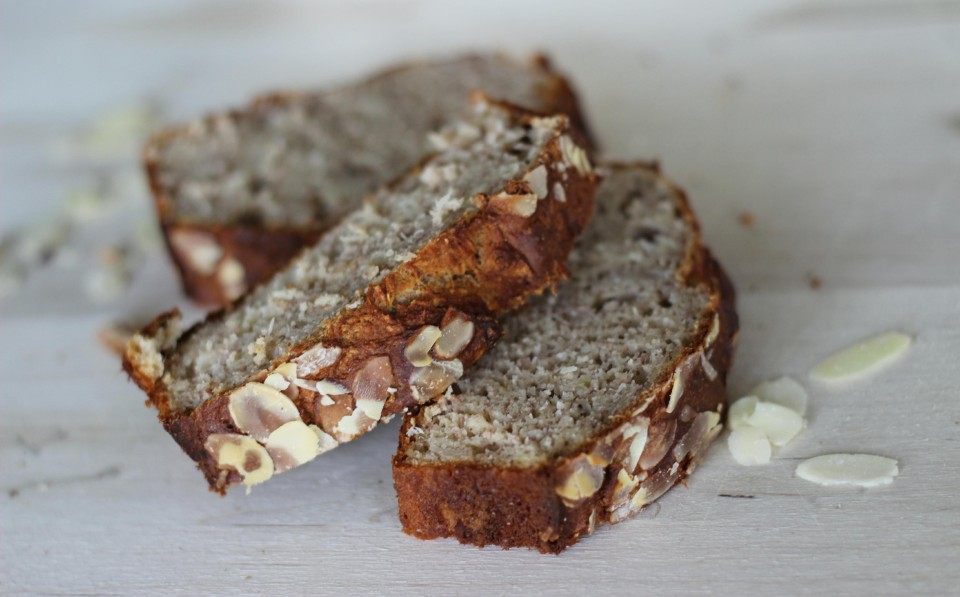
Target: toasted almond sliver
<point>291,445</point>
<point>454,337</point>
<point>330,388</point>
<point>862,470</point>
<point>676,391</point>
<point>418,348</point>
<point>327,442</point>
<point>433,380</point>
<point>257,409</point>
<point>862,358</point>
<point>277,382</point>
<point>242,454</point>
<point>316,358</point>
<point>537,179</point>
<point>637,434</point>
<point>519,205</point>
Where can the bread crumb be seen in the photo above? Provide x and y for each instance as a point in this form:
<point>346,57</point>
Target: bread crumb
<point>746,218</point>
<point>258,350</point>
<point>443,206</point>
<point>814,281</point>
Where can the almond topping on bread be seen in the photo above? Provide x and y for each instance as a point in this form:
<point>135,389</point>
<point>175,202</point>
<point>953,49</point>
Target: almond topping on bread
<point>597,401</point>
<point>291,445</point>
<point>434,379</point>
<point>454,337</point>
<point>347,309</point>
<point>241,454</point>
<point>519,205</point>
<point>257,409</point>
<point>418,349</point>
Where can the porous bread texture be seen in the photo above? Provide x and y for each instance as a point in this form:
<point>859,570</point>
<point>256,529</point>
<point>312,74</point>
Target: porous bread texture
<point>598,402</point>
<point>480,154</point>
<point>573,363</point>
<point>301,158</point>
<point>385,312</point>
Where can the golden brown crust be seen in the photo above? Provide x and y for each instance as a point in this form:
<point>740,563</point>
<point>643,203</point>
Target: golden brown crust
<point>522,507</point>
<point>260,250</point>
<point>481,267</point>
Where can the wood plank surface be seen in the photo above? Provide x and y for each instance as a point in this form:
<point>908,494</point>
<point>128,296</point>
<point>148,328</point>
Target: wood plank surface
<point>820,144</point>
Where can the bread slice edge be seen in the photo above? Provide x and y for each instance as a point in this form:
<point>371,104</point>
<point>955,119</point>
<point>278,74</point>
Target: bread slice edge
<point>532,507</point>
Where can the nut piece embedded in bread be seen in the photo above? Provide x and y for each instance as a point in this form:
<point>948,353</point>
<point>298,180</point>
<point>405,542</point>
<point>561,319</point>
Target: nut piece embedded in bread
<point>385,312</point>
<point>239,193</point>
<point>597,401</point>
<point>242,455</point>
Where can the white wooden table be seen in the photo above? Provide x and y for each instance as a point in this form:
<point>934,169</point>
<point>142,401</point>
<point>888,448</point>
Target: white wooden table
<point>835,125</point>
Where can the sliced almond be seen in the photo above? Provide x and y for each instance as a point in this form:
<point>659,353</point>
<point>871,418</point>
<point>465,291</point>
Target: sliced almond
<point>284,379</point>
<point>740,411</point>
<point>242,454</point>
<point>862,358</point>
<point>199,249</point>
<point>626,483</point>
<point>330,388</point>
<point>519,205</point>
<point>660,436</point>
<point>537,179</point>
<point>714,332</point>
<point>418,348</point>
<point>372,409</point>
<point>749,446</point>
<point>861,470</point>
<point>232,278</point>
<point>705,427</point>
<point>277,382</point>
<point>258,409</point>
<point>316,358</point>
<point>433,380</point>
<point>637,434</point>
<point>676,391</point>
<point>291,445</point>
<point>371,386</point>
<point>574,155</point>
<point>708,368</point>
<point>453,338</point>
<point>327,442</point>
<point>558,193</point>
<point>784,391</point>
<point>580,479</point>
<point>779,423</point>
<point>654,487</point>
<point>353,425</point>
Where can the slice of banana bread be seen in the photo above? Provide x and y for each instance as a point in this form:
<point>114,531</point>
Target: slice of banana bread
<point>596,401</point>
<point>240,193</point>
<point>384,312</point>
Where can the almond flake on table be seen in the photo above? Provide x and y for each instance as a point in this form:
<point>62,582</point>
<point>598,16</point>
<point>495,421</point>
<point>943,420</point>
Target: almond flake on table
<point>778,423</point>
<point>784,391</point>
<point>862,358</point>
<point>740,411</point>
<point>749,446</point>
<point>771,416</point>
<point>861,470</point>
